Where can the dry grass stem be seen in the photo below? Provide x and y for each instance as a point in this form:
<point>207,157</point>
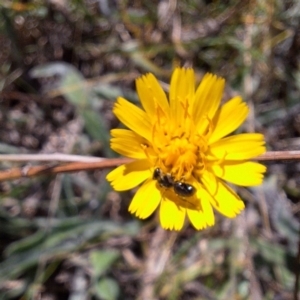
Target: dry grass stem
<point>76,163</point>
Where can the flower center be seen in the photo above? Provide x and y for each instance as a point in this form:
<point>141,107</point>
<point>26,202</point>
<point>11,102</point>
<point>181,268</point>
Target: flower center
<point>178,157</point>
<point>179,151</point>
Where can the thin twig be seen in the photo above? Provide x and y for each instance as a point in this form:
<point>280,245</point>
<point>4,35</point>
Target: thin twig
<point>29,171</point>
<point>279,155</point>
<point>61,157</point>
<point>85,163</point>
<point>49,157</point>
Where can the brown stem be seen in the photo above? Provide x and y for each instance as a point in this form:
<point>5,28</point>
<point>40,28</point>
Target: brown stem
<point>279,155</point>
<point>30,171</point>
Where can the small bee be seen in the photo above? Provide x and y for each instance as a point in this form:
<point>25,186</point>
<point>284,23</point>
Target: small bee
<point>184,189</point>
<point>167,181</point>
<point>164,180</point>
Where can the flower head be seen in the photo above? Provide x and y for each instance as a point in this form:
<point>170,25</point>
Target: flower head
<point>182,153</point>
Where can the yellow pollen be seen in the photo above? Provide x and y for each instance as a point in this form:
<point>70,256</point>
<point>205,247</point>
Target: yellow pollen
<point>180,151</point>
<point>179,157</point>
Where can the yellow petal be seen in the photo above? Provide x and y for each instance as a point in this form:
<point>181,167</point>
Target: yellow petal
<point>151,94</point>
<point>126,177</point>
<point>204,217</point>
<point>127,143</point>
<point>231,115</point>
<point>133,117</point>
<point>244,174</point>
<point>225,200</point>
<point>146,200</point>
<point>182,91</point>
<point>239,147</point>
<point>171,215</point>
<point>207,100</point>
<point>211,179</point>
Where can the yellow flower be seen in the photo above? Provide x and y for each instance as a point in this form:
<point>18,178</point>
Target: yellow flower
<point>182,152</point>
